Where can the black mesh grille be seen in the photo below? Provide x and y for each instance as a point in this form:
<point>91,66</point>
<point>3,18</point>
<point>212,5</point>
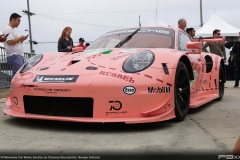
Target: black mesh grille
<point>59,106</point>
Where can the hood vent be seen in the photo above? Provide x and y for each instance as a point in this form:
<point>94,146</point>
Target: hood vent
<point>91,68</point>
<point>73,62</point>
<point>45,68</point>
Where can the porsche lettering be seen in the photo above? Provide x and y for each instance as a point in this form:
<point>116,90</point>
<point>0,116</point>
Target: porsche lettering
<point>50,90</point>
<point>42,89</point>
<point>143,30</point>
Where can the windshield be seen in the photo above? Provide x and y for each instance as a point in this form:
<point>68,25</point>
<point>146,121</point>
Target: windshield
<point>144,38</point>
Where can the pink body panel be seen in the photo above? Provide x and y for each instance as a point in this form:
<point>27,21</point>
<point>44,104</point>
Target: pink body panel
<point>107,82</point>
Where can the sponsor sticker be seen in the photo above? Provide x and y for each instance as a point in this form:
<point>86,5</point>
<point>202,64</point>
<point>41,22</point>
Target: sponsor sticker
<point>50,90</point>
<point>159,89</point>
<point>107,52</point>
<point>143,30</point>
<point>129,90</point>
<point>56,79</point>
<point>119,76</point>
<point>115,108</point>
<point>115,105</point>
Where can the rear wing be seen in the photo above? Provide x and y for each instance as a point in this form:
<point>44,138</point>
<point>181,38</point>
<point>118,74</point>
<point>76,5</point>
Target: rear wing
<point>196,44</point>
<point>210,39</point>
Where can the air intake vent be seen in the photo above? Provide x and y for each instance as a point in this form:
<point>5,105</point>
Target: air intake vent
<point>59,106</point>
<point>165,68</point>
<point>73,62</point>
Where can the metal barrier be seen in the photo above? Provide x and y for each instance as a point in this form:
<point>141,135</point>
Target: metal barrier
<point>5,69</point>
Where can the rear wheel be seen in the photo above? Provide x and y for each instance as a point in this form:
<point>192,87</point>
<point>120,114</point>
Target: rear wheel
<point>181,92</point>
<point>221,83</point>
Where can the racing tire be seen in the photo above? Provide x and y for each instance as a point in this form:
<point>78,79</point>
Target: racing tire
<point>181,92</point>
<point>221,84</point>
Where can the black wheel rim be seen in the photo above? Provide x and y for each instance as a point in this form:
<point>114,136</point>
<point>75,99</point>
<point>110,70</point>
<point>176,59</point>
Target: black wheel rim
<point>183,90</point>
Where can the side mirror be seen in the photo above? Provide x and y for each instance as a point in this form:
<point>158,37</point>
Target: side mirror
<point>194,46</point>
<point>77,49</point>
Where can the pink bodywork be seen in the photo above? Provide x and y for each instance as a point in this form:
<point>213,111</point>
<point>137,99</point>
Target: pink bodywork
<point>107,82</point>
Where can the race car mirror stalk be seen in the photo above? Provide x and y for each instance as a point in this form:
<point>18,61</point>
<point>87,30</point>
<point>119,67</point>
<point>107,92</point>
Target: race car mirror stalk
<point>194,45</point>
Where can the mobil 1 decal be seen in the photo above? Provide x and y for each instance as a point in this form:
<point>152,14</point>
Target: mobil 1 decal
<point>159,89</point>
<point>56,79</point>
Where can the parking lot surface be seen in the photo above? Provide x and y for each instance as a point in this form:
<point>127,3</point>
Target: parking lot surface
<point>212,128</point>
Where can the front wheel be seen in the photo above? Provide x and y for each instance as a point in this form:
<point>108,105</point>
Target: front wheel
<point>181,92</point>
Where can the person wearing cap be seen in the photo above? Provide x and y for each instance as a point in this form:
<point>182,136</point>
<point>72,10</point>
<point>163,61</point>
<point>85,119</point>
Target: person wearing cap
<point>87,44</point>
<point>81,43</point>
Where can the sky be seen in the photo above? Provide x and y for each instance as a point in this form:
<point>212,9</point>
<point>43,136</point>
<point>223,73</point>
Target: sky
<point>92,18</point>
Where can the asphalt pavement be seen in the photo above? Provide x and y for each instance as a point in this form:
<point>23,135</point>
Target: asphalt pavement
<point>212,128</point>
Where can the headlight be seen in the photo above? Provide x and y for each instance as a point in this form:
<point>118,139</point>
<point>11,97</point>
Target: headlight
<point>31,63</point>
<point>138,61</point>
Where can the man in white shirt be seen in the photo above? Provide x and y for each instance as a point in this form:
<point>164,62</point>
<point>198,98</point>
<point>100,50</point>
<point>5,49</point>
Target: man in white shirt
<point>13,44</point>
<point>182,24</point>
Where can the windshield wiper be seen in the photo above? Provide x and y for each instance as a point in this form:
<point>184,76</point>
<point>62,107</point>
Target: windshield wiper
<point>128,37</point>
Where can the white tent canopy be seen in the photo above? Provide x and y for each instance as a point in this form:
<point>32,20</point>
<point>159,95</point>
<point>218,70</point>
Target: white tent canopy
<point>157,22</point>
<point>215,22</point>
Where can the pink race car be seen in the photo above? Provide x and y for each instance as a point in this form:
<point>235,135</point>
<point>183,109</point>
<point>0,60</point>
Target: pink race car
<point>133,75</point>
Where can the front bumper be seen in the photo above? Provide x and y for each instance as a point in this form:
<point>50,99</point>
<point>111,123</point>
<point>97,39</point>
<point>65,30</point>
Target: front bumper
<point>161,117</point>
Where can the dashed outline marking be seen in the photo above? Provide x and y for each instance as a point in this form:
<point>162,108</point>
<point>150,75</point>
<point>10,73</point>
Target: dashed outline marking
<point>159,80</point>
<point>101,66</point>
<point>148,76</point>
<point>169,84</point>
